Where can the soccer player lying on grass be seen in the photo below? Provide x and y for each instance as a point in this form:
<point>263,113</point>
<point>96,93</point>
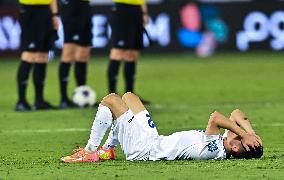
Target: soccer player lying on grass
<point>132,127</point>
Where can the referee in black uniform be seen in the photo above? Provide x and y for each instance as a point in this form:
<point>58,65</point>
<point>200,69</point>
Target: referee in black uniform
<point>39,24</point>
<point>127,21</point>
<point>76,17</point>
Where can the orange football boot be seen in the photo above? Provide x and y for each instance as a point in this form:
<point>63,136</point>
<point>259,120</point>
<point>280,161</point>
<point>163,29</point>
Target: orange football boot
<point>81,155</point>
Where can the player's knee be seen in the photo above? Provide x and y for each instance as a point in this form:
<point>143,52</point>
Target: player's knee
<point>68,54</point>
<point>129,96</point>
<point>135,55</point>
<point>29,56</point>
<point>117,54</point>
<point>236,111</point>
<point>42,58</point>
<point>110,100</point>
<point>82,57</point>
<point>131,55</point>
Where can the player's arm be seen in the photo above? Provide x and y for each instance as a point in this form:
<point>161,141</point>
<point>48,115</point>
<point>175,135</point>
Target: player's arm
<point>54,10</point>
<point>241,120</point>
<point>218,121</point>
<point>145,13</point>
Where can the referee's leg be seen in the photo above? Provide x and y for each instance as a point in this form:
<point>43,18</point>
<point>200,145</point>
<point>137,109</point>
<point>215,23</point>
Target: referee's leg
<point>116,57</point>
<point>27,59</point>
<point>130,56</point>
<point>39,76</point>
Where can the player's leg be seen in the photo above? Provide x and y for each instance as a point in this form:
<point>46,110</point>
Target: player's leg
<point>111,107</point>
<point>82,56</point>
<point>119,39</point>
<point>67,57</point>
<point>39,76</point>
<point>133,45</point>
<point>78,32</point>
<point>130,57</point>
<point>133,128</point>
<point>27,59</point>
<point>37,39</point>
<point>133,102</point>
<point>119,107</point>
<point>44,43</point>
<point>137,130</point>
<point>68,50</point>
<point>115,59</point>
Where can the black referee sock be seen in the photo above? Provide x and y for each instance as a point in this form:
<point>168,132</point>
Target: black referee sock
<point>129,75</point>
<point>39,78</point>
<point>80,73</point>
<point>22,79</point>
<point>64,69</point>
<point>112,72</point>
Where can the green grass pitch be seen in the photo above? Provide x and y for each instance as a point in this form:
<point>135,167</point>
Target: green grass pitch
<point>183,90</point>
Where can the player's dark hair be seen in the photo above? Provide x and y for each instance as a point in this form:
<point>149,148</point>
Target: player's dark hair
<point>244,154</point>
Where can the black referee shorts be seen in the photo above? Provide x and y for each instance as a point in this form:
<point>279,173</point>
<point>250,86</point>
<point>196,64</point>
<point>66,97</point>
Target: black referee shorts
<point>127,26</point>
<point>38,34</point>
<point>76,17</point>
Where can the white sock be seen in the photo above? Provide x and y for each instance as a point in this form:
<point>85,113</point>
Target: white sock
<point>101,124</point>
<point>112,140</point>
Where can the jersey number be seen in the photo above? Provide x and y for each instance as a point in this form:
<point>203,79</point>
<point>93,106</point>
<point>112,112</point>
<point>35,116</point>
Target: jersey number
<point>150,121</point>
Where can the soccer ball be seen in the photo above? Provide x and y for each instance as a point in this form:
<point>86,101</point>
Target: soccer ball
<point>84,96</point>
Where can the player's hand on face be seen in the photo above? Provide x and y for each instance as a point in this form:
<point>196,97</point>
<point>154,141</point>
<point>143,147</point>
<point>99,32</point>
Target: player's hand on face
<point>250,141</point>
<point>257,137</point>
<point>55,22</point>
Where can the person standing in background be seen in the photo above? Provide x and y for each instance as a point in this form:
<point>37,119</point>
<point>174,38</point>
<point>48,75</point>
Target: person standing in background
<point>39,24</point>
<point>127,21</point>
<point>76,18</point>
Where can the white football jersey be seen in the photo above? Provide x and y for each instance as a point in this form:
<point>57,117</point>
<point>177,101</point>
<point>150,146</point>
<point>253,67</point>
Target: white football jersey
<point>190,145</point>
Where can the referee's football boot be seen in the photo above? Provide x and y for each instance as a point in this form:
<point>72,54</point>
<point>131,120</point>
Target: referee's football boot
<point>65,104</point>
<point>43,105</point>
<point>23,106</point>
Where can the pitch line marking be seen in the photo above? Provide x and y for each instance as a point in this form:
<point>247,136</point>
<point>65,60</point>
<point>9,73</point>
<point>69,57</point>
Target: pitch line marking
<point>89,129</point>
<point>46,130</point>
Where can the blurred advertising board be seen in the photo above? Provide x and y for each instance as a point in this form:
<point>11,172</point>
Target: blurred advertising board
<point>175,26</point>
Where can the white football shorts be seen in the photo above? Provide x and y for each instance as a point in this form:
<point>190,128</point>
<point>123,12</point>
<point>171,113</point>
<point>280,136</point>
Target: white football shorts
<point>136,134</point>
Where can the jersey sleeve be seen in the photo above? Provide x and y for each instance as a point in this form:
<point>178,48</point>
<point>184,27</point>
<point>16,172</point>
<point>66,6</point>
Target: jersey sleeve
<point>213,147</point>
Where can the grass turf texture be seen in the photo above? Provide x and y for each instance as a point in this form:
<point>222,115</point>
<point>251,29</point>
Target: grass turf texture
<point>183,90</point>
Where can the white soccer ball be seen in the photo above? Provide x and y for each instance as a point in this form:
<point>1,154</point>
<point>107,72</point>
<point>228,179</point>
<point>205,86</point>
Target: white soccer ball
<point>84,96</point>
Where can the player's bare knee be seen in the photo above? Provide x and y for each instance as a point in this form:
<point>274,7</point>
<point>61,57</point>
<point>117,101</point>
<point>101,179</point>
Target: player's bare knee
<point>68,52</point>
<point>82,57</point>
<point>236,111</point>
<point>67,56</point>
<point>129,96</point>
<point>117,54</point>
<point>110,99</point>
<point>131,55</point>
